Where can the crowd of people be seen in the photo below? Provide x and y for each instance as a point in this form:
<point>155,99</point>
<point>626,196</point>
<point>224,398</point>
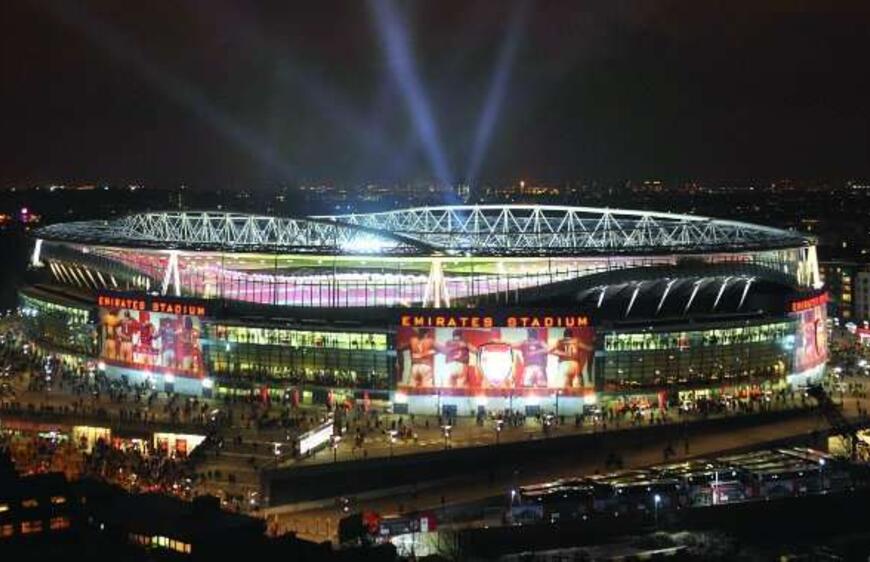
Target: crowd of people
<point>141,468</point>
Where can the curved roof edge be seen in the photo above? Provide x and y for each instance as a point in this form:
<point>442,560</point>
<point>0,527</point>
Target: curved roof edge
<point>210,230</point>
<point>583,230</point>
<point>510,230</point>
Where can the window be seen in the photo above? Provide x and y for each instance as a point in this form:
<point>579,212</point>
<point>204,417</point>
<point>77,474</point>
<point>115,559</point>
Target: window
<point>179,546</point>
<point>160,542</point>
<point>6,530</point>
<point>139,539</point>
<point>57,500</point>
<point>31,503</point>
<point>58,523</point>
<point>29,527</point>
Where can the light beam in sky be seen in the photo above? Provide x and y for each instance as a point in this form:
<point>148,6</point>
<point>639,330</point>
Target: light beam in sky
<point>497,91</point>
<point>393,38</point>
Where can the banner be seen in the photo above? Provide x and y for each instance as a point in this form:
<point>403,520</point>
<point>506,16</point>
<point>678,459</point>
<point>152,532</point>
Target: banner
<point>154,341</point>
<point>471,360</point>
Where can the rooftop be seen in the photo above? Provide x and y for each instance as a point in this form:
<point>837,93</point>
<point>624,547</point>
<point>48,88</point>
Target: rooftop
<point>513,230</point>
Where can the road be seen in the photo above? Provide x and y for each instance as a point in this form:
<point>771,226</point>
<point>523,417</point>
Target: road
<point>321,523</point>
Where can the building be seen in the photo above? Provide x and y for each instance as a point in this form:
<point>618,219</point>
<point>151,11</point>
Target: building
<point>842,284</point>
<point>45,517</point>
<point>455,310</point>
<point>34,506</point>
<point>861,295</point>
<point>162,522</point>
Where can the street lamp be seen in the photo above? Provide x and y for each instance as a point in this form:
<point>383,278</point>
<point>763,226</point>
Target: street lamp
<point>333,441</point>
<point>657,499</point>
<point>821,479</point>
<point>277,451</point>
<point>446,431</point>
<point>392,434</point>
<point>498,427</point>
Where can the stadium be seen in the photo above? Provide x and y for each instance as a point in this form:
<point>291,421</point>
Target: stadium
<point>456,310</point>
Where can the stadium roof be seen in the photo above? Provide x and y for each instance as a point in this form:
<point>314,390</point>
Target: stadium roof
<point>234,232</point>
<point>511,230</point>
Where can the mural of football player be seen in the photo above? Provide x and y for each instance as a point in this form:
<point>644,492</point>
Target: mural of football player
<point>421,346</point>
<point>573,354</point>
<point>534,352</point>
<point>457,353</point>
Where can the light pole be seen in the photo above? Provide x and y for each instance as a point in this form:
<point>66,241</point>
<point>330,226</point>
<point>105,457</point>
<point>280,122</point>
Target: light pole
<point>657,499</point>
<point>392,435</point>
<point>821,479</point>
<point>277,451</point>
<point>334,440</point>
<point>446,431</point>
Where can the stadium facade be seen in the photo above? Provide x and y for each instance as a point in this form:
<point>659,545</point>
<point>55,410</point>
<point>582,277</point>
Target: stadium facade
<point>455,310</point>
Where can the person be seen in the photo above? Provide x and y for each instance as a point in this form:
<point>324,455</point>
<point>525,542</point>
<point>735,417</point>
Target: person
<point>421,345</point>
<point>111,323</point>
<point>573,354</point>
<point>144,352</point>
<point>129,329</point>
<point>534,351</point>
<point>186,342</point>
<point>167,342</point>
<point>457,353</point>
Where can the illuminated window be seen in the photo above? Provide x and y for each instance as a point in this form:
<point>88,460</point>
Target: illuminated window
<point>6,530</point>
<point>29,527</point>
<point>57,500</point>
<point>29,503</point>
<point>58,523</point>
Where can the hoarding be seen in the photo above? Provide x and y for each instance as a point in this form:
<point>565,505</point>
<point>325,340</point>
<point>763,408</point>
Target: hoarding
<point>159,342</point>
<point>811,340</point>
<point>177,444</point>
<point>492,359</point>
<point>315,438</point>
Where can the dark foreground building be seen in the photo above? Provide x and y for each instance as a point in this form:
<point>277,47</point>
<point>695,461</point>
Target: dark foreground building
<point>45,517</point>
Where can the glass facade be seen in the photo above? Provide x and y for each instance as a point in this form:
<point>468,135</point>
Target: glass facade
<point>59,326</point>
<point>636,361</point>
<point>326,358</point>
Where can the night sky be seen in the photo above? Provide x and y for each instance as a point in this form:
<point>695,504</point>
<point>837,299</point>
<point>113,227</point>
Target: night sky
<point>256,94</point>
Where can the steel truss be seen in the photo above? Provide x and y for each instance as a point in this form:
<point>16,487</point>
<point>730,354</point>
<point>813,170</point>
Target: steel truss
<point>475,230</point>
<point>519,229</point>
<point>233,232</point>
